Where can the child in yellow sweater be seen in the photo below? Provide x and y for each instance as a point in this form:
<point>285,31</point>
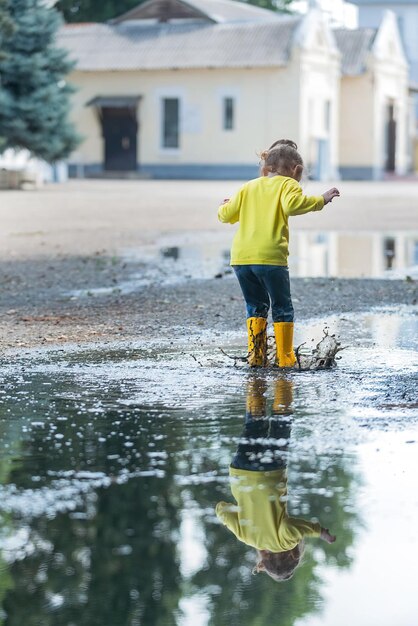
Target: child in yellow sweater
<point>260,247</point>
<point>259,486</point>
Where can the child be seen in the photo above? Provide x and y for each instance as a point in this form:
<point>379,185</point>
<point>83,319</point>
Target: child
<point>260,247</point>
<point>259,485</point>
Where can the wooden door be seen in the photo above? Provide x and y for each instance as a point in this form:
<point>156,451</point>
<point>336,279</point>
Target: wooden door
<point>120,130</point>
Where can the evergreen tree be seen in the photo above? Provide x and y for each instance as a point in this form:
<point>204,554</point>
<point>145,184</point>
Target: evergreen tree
<point>34,95</point>
<point>283,6</point>
<point>6,26</point>
<point>6,29</point>
<point>94,10</point>
<point>103,10</point>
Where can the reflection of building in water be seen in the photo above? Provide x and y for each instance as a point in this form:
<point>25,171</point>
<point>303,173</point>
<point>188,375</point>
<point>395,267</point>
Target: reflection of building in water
<point>340,254</point>
<point>202,261</point>
<point>349,254</point>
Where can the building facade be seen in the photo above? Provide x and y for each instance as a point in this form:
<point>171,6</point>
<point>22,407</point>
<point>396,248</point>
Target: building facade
<point>370,15</point>
<point>197,88</point>
<point>374,138</point>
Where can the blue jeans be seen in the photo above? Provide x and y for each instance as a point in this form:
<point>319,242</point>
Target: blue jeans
<point>262,284</point>
<point>264,444</point>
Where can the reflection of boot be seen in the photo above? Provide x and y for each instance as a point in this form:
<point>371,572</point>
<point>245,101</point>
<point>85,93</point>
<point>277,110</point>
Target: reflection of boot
<point>285,356</point>
<point>281,420</point>
<point>256,398</point>
<point>257,341</point>
<point>283,397</point>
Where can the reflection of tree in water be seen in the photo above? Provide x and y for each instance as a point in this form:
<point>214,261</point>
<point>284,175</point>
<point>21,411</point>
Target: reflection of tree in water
<point>115,560</point>
<point>112,561</point>
<point>119,567</point>
<point>6,523</point>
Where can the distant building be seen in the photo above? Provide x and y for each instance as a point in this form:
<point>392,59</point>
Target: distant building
<point>371,14</point>
<point>374,102</point>
<point>194,88</point>
<point>406,11</point>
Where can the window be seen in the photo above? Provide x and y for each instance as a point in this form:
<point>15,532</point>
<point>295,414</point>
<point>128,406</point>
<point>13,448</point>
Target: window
<point>228,114</point>
<point>389,252</point>
<point>171,122</point>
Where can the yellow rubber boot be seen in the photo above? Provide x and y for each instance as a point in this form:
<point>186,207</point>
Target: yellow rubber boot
<point>285,355</point>
<point>257,341</point>
<point>283,397</point>
<point>256,405</point>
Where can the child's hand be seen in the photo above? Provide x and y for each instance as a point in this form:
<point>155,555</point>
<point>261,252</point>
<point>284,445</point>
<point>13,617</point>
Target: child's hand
<point>330,195</point>
<point>326,535</point>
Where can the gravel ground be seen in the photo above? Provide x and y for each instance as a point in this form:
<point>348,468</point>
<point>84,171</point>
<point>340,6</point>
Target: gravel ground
<point>37,306</point>
<point>75,237</point>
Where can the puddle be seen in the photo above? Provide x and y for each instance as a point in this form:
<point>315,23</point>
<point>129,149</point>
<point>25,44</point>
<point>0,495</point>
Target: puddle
<point>173,260</point>
<point>113,460</point>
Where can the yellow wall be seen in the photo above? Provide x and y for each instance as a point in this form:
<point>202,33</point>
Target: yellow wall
<point>364,106</point>
<point>266,101</point>
<point>271,103</point>
<point>357,121</point>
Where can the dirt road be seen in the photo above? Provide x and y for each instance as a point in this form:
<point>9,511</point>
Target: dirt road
<point>65,276</point>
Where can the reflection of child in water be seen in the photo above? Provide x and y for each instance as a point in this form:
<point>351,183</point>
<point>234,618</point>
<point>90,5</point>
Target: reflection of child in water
<point>259,486</point>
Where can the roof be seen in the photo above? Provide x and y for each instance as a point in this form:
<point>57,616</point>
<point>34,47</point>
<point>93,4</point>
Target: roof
<point>219,11</point>
<point>355,46</point>
<point>115,102</point>
<point>148,45</point>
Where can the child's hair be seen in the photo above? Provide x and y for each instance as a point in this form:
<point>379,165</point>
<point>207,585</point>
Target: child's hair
<point>280,565</point>
<point>284,142</point>
<point>282,158</point>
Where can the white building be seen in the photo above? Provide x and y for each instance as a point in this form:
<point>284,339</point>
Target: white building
<point>370,16</point>
<point>406,11</point>
<point>195,88</point>
<point>374,135</point>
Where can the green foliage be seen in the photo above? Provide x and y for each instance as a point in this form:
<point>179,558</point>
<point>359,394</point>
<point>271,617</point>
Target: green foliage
<point>34,95</point>
<point>6,30</point>
<point>103,10</point>
<point>94,10</point>
<point>283,6</point>
<point>6,25</point>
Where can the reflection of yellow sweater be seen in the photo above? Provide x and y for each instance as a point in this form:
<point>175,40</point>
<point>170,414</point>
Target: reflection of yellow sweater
<point>262,208</point>
<point>260,517</point>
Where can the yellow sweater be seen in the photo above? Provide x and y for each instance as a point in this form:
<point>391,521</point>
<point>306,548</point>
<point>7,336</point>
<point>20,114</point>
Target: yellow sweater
<point>260,517</point>
<point>262,208</point>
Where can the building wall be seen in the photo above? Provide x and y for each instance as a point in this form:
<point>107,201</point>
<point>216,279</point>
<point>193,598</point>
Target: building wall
<point>357,127</point>
<point>262,114</point>
<point>364,109</point>
<point>338,123</point>
<point>364,101</point>
<point>391,85</point>
<point>319,103</point>
<point>371,14</point>
<point>270,103</point>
